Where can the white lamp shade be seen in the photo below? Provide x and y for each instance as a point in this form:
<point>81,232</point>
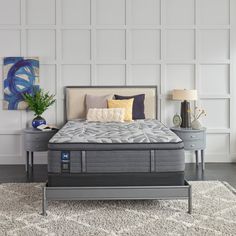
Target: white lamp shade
<point>184,94</point>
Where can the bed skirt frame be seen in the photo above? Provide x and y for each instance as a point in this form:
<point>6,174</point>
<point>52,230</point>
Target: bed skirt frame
<point>117,193</point>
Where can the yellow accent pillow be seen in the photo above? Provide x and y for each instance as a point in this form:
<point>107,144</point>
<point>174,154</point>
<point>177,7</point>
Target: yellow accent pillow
<point>126,103</point>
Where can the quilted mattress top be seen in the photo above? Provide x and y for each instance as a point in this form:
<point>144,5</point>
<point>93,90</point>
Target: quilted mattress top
<point>138,131</point>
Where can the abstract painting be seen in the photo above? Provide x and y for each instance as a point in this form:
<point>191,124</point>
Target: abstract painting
<point>20,75</point>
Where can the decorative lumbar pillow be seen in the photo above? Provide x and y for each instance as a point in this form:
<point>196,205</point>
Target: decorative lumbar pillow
<point>138,105</point>
<point>127,104</point>
<point>106,114</point>
<point>93,101</point>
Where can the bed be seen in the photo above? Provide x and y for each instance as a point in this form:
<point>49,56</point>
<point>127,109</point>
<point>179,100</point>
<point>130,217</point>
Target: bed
<point>142,159</point>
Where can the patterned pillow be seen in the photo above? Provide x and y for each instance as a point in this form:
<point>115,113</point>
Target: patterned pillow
<point>97,101</point>
<point>106,115</point>
<point>138,105</point>
<point>127,104</point>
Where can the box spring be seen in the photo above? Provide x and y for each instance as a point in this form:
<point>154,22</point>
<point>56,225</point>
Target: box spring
<point>116,179</point>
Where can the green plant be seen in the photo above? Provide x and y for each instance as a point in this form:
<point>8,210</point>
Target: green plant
<point>39,101</point>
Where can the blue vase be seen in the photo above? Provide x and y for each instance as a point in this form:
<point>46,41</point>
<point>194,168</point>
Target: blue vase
<point>38,120</point>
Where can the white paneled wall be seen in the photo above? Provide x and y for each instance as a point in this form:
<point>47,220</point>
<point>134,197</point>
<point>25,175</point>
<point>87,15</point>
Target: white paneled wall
<point>168,43</point>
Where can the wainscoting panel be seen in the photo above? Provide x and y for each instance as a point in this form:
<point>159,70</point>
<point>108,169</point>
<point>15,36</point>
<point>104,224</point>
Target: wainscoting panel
<point>169,43</point>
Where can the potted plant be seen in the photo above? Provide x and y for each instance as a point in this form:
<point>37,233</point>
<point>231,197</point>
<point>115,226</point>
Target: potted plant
<point>39,101</point>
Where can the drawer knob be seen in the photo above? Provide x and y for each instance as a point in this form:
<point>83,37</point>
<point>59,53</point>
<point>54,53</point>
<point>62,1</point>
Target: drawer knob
<point>192,136</point>
<point>192,145</point>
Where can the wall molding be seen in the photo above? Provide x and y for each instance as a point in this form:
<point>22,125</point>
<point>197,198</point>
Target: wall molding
<point>139,65</point>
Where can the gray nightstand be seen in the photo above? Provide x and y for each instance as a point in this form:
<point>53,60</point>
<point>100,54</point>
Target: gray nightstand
<point>193,140</point>
<point>35,141</point>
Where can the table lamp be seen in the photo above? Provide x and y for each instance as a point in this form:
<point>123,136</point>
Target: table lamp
<point>185,96</point>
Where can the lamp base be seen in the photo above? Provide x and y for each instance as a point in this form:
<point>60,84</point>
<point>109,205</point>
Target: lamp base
<point>185,114</point>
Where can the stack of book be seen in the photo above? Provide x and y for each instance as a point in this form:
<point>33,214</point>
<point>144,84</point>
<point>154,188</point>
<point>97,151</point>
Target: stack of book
<point>47,127</point>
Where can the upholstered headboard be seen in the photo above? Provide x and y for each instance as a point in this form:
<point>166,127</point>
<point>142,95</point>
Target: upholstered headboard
<point>75,98</point>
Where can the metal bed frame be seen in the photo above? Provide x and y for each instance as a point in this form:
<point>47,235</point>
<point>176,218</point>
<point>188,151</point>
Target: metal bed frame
<point>117,192</point>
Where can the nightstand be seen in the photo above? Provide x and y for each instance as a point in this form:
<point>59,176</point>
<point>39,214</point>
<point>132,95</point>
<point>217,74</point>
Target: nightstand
<point>194,140</point>
<point>35,141</point>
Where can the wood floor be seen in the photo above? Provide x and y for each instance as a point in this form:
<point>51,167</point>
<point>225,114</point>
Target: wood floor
<point>213,171</point>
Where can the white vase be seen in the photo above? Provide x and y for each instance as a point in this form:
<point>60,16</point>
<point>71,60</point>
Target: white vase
<point>196,124</point>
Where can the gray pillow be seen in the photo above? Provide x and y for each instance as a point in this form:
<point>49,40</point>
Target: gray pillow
<point>92,101</point>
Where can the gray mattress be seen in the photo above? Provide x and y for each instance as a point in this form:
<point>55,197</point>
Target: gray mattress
<point>94,147</point>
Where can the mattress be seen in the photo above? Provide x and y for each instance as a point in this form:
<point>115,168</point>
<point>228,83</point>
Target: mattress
<point>139,134</point>
<point>142,146</point>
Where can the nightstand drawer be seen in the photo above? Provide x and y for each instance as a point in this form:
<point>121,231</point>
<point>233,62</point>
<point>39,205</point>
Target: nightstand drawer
<point>36,146</point>
<point>188,136</point>
<point>39,136</point>
<point>193,145</point>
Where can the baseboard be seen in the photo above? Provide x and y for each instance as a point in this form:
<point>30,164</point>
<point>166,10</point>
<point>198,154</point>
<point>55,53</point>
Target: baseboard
<point>233,157</point>
<point>211,157</point>
<point>21,160</point>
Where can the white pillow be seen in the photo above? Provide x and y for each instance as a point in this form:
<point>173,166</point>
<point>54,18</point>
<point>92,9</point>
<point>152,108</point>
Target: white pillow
<point>106,114</point>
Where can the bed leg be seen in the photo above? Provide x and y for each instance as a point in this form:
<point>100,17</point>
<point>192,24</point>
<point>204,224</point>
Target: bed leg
<point>190,199</point>
<point>44,202</point>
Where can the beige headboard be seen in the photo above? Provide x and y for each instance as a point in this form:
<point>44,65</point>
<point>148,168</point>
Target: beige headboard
<point>75,98</point>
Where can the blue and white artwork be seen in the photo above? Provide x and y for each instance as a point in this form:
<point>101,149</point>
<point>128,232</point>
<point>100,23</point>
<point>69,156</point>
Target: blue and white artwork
<point>20,75</point>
